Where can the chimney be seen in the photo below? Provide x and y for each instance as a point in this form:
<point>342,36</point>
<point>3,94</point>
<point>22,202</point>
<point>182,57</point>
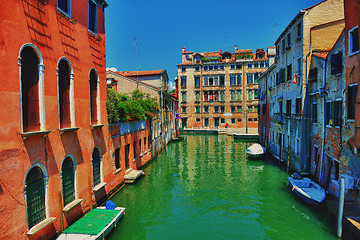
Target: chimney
<point>235,48</point>
<point>183,49</point>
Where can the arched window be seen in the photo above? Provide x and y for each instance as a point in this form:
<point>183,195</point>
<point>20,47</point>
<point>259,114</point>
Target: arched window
<point>68,180</point>
<point>30,89</point>
<point>96,162</point>
<point>64,93</point>
<point>206,96</point>
<point>93,81</point>
<point>250,95</point>
<point>211,95</point>
<point>239,97</point>
<point>35,196</point>
<point>232,96</point>
<point>216,96</point>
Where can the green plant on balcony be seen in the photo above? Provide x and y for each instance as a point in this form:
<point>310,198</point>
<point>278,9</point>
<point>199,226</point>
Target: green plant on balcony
<point>210,59</point>
<point>129,107</point>
<point>243,56</point>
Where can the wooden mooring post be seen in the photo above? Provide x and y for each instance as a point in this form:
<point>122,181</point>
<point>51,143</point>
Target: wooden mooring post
<point>341,207</point>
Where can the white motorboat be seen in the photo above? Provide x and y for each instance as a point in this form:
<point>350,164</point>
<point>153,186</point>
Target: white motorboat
<point>306,189</point>
<point>255,151</point>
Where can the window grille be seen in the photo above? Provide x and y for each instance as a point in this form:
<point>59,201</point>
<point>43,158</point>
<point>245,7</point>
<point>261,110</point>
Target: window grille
<point>96,166</point>
<point>68,181</point>
<point>35,197</point>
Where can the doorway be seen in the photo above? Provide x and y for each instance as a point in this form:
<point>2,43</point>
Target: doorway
<point>127,147</point>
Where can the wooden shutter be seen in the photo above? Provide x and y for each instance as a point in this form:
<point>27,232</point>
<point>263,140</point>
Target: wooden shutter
<point>64,94</point>
<point>30,90</point>
<point>93,96</point>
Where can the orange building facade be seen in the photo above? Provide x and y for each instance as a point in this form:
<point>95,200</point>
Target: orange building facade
<point>219,89</point>
<point>58,159</point>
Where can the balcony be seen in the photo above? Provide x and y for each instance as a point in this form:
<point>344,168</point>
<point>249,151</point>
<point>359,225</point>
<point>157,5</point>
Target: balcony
<point>122,128</point>
<point>278,118</point>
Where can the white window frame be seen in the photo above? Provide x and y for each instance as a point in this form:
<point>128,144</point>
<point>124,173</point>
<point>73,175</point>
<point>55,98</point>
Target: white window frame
<point>41,84</point>
<point>71,92</point>
<point>46,193</point>
<point>95,18</point>
<point>98,108</point>
<point>62,11</point>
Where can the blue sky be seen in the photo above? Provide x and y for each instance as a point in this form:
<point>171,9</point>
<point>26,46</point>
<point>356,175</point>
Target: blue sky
<point>149,34</point>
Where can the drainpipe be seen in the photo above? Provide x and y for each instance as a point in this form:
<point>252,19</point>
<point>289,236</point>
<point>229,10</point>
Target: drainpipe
<point>305,95</point>
<point>266,135</point>
<point>324,125</point>
<point>341,126</point>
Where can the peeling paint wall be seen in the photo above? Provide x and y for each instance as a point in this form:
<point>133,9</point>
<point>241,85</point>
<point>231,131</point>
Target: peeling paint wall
<point>288,136</point>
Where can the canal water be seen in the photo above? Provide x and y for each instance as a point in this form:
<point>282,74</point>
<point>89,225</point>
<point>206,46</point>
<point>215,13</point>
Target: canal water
<point>204,187</point>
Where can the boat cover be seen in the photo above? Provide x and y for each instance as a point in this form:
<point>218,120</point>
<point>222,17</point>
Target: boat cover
<point>255,149</point>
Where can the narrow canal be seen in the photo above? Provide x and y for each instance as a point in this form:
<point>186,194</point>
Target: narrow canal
<point>204,187</point>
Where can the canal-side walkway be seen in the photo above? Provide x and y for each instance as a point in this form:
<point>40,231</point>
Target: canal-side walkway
<point>239,133</point>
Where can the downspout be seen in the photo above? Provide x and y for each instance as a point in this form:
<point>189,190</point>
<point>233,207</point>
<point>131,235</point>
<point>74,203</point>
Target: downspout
<point>341,126</point>
<point>305,95</point>
<point>324,125</point>
<point>266,135</point>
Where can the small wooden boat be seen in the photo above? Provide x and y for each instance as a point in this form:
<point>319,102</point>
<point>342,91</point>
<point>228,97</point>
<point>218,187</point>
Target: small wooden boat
<point>306,189</point>
<point>255,151</point>
<point>175,139</point>
<point>95,225</point>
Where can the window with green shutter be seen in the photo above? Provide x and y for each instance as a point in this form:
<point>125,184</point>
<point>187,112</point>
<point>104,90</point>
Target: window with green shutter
<point>250,95</point>
<point>96,166</point>
<point>239,95</point>
<point>197,109</point>
<point>232,96</point>
<point>68,180</point>
<point>35,196</point>
<point>183,97</point>
<point>222,96</point>
<point>197,96</point>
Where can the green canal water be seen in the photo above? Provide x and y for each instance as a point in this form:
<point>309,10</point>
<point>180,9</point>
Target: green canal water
<point>204,187</point>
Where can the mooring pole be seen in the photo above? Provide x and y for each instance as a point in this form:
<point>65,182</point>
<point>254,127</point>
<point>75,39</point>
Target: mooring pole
<point>341,207</point>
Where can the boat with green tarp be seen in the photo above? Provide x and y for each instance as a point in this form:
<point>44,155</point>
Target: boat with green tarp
<point>97,224</point>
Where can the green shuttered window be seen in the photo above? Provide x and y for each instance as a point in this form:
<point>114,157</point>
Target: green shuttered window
<point>35,196</point>
<point>96,166</point>
<point>68,180</point>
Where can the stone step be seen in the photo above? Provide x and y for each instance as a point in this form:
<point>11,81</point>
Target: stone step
<point>131,175</point>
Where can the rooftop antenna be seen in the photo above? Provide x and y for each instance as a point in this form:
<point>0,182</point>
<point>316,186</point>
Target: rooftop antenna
<point>275,25</point>
<point>137,58</point>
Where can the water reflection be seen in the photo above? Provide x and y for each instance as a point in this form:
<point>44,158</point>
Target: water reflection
<point>204,188</point>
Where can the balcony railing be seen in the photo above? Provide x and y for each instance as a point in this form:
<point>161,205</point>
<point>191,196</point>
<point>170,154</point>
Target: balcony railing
<point>122,128</point>
<point>278,118</point>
